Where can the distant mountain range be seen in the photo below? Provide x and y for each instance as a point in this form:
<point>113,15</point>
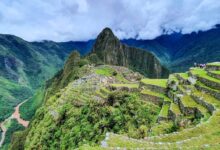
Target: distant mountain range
<point>26,65</point>
<point>179,51</point>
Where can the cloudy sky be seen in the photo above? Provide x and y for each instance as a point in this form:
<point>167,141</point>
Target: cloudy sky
<point>63,20</point>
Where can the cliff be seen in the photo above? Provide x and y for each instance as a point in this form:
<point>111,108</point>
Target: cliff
<point>111,51</point>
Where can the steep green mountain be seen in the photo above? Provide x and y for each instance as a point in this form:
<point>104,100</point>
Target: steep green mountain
<point>95,106</point>
<point>111,51</point>
<point>24,66</point>
<point>94,95</point>
<point>85,77</point>
<point>79,104</point>
<point>179,51</point>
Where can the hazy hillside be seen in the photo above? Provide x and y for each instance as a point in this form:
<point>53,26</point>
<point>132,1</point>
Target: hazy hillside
<point>179,51</point>
<point>24,66</point>
<point>93,103</point>
<point>74,101</point>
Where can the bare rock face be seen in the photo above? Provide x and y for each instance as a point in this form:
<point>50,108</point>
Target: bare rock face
<point>111,51</point>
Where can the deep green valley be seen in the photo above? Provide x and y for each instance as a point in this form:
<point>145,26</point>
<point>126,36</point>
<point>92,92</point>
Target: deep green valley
<point>103,94</point>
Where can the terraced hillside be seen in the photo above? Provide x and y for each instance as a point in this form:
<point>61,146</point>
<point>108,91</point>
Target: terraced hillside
<point>188,97</point>
<point>112,107</point>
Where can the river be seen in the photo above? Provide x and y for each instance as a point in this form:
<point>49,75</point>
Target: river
<point>15,115</point>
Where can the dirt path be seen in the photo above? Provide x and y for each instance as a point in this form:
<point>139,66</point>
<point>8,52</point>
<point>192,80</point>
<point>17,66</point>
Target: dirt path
<point>15,115</point>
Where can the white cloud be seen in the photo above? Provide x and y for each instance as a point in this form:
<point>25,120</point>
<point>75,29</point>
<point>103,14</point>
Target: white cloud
<point>63,20</point>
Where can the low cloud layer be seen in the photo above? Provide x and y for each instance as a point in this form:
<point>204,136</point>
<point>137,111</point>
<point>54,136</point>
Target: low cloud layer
<point>63,20</point>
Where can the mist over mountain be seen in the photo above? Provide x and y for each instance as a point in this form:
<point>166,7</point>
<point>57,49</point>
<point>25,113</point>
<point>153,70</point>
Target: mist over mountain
<point>179,51</point>
<point>25,66</point>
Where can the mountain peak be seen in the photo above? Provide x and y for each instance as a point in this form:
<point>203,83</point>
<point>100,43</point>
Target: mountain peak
<point>111,51</point>
<point>106,34</point>
<point>107,31</point>
<point>105,39</point>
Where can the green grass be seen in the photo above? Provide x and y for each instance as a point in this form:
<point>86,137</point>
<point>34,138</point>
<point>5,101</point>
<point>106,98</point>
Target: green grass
<point>189,102</point>
<point>105,91</point>
<point>164,110</point>
<point>175,108</point>
<point>214,64</point>
<point>184,75</point>
<point>101,94</point>
<point>215,72</point>
<point>203,74</point>
<point>156,82</point>
<point>204,86</point>
<point>149,92</point>
<point>172,77</point>
<point>207,98</point>
<point>106,71</point>
<point>134,86</point>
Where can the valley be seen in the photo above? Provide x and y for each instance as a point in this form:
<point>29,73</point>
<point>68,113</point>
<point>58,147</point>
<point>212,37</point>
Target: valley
<point>109,75</point>
<point>100,102</point>
<point>6,123</point>
<point>142,100</point>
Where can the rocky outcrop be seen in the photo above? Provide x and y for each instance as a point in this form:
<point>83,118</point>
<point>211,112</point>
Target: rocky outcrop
<point>111,51</point>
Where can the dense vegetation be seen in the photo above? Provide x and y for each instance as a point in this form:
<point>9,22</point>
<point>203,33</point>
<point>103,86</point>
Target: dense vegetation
<point>77,110</point>
<point>122,113</point>
<point>24,66</point>
<point>10,95</point>
<point>83,113</point>
<point>12,126</point>
<point>28,109</point>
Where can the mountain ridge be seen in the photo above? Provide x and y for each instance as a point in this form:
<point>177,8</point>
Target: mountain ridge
<point>111,51</point>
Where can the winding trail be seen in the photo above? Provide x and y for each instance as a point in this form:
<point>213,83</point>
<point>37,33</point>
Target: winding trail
<point>15,115</point>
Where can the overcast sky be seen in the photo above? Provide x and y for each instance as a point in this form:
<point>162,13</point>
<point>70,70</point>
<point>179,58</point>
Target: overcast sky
<point>64,20</point>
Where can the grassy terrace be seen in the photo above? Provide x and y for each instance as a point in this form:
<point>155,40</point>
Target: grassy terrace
<point>204,86</point>
<point>207,98</point>
<point>148,92</point>
<point>184,75</point>
<point>215,72</point>
<point>189,102</point>
<point>133,86</point>
<point>164,110</point>
<point>205,134</point>
<point>175,108</point>
<point>214,64</point>
<point>203,74</point>
<point>172,77</point>
<point>105,91</point>
<point>181,88</point>
<point>156,82</point>
<point>108,71</point>
<point>99,93</point>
